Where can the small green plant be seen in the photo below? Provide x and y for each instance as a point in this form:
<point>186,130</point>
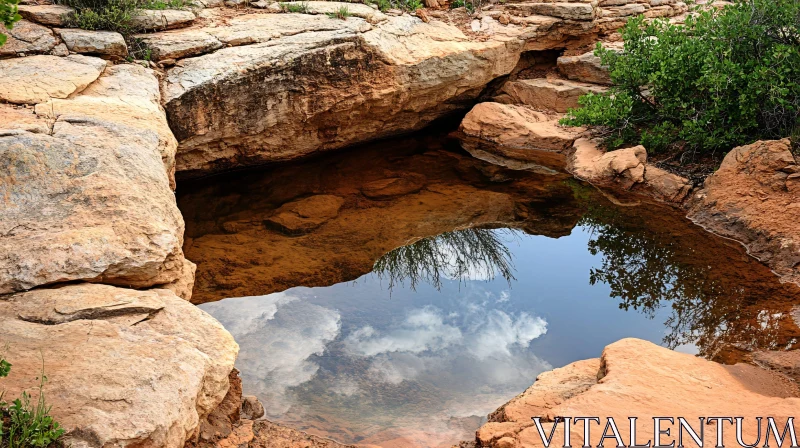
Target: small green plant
<point>724,78</point>
<point>342,13</point>
<point>295,7</point>
<point>29,423</point>
<point>9,15</point>
<point>162,4</point>
<point>107,15</point>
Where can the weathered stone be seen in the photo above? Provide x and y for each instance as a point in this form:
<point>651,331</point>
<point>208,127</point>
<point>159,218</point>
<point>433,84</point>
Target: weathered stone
<point>124,367</point>
<point>36,79</point>
<point>516,127</point>
<point>91,199</point>
<point>556,95</point>
<point>106,43</point>
<point>304,215</point>
<point>562,10</point>
<point>167,19</point>
<point>360,83</point>
<point>586,67</point>
<point>354,9</point>
<point>751,199</point>
<point>635,378</point>
<point>630,9</point>
<point>16,120</point>
<point>60,50</point>
<point>666,186</point>
<point>53,15</point>
<point>393,187</point>
<point>625,166</point>
<point>179,44</point>
<point>252,408</point>
<point>28,38</point>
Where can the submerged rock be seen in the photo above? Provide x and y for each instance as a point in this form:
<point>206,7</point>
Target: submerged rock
<point>304,215</point>
<point>123,366</point>
<point>754,198</point>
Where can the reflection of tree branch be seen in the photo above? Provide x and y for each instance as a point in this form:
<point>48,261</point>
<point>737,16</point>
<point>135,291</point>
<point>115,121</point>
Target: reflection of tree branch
<point>450,255</point>
<point>646,273</point>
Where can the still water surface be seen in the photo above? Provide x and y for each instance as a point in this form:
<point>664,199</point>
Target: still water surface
<point>481,279</point>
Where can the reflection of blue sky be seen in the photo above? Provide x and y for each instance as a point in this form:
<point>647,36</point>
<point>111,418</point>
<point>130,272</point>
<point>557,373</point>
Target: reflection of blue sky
<point>473,345</point>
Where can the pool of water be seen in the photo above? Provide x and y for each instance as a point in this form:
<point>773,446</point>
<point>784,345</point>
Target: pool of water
<point>442,286</point>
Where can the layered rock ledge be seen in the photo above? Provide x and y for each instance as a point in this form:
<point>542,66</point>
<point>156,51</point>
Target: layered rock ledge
<point>635,378</point>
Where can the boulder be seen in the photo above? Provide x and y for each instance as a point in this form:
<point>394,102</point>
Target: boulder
<point>304,215</point>
<point>360,82</point>
<point>555,95</point>
<point>166,19</point>
<point>28,38</point>
<point>635,378</point>
<point>179,44</point>
<point>36,79</point>
<point>90,199</point>
<point>585,67</point>
<point>517,128</point>
<point>53,15</point>
<point>625,166</point>
<point>562,10</point>
<point>105,43</point>
<point>124,367</point>
<point>754,198</point>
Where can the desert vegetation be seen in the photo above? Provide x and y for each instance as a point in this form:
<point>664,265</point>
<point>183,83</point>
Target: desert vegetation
<point>25,422</point>
<point>8,16</point>
<point>724,78</point>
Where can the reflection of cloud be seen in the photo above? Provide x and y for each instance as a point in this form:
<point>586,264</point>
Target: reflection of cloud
<point>505,296</point>
<point>423,329</point>
<point>500,332</point>
<point>491,346</point>
<point>276,334</point>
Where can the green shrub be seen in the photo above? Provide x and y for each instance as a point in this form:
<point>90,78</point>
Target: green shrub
<point>724,78</point>
<point>300,7</point>
<point>29,424</point>
<point>8,16</point>
<point>341,13</point>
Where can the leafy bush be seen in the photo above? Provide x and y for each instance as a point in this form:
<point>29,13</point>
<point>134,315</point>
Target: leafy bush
<point>724,78</point>
<point>8,16</point>
<point>24,424</point>
<point>110,15</point>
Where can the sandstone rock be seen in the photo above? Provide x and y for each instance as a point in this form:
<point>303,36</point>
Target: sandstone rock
<point>17,120</point>
<point>631,9</point>
<point>562,10</point>
<point>53,15</point>
<point>304,215</point>
<point>360,83</point>
<point>549,94</point>
<point>586,67</point>
<point>640,379</point>
<point>106,43</point>
<point>252,409</point>
<point>752,198</point>
<point>179,44</point>
<point>124,367</point>
<point>355,9</point>
<point>516,127</point>
<point>91,199</point>
<point>666,186</point>
<point>60,50</point>
<point>271,435</point>
<point>625,166</point>
<point>36,79</point>
<point>393,187</point>
<point>28,38</point>
<point>148,19</point>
